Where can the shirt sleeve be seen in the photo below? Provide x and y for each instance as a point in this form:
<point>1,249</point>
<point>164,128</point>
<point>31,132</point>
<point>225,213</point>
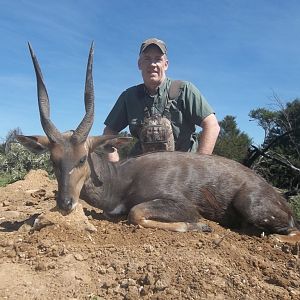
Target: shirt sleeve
<point>117,119</point>
<point>196,107</point>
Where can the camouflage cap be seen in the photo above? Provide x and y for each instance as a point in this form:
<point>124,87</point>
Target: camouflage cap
<point>154,41</point>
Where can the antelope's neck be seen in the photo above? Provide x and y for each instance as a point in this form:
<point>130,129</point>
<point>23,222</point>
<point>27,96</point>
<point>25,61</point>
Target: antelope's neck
<point>103,189</point>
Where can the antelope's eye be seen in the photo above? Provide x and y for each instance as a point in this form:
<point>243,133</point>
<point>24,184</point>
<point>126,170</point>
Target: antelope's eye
<point>82,160</point>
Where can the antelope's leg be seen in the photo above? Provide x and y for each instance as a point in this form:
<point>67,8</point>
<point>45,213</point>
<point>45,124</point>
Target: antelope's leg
<point>292,238</point>
<point>167,214</point>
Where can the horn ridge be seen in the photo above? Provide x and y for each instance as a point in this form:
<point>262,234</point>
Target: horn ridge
<point>43,101</point>
<point>83,129</point>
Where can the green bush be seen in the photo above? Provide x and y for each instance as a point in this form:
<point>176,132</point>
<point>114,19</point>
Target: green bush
<point>232,143</point>
<point>4,180</point>
<point>18,161</point>
<point>295,204</point>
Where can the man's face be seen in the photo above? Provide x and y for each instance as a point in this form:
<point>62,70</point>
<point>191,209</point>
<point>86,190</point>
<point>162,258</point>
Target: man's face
<point>153,65</point>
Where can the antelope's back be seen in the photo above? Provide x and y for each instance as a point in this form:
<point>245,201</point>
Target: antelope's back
<point>186,174</point>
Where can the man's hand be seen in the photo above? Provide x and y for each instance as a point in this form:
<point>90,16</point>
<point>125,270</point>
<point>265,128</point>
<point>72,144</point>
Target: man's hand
<point>113,156</point>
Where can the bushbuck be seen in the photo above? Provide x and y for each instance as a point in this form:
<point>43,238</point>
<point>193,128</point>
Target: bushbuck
<point>167,190</point>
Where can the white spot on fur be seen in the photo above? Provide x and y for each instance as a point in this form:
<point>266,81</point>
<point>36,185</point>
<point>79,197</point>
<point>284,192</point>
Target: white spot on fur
<point>266,220</point>
<point>118,209</point>
<point>74,205</point>
<point>292,222</point>
<point>71,172</point>
<point>272,217</point>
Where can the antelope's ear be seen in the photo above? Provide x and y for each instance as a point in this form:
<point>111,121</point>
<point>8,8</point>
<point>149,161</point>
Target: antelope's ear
<point>107,142</point>
<point>37,144</point>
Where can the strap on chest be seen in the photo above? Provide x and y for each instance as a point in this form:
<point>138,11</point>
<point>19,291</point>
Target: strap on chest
<point>175,89</point>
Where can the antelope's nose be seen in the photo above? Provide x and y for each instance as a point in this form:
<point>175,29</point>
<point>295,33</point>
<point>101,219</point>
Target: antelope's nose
<point>66,204</point>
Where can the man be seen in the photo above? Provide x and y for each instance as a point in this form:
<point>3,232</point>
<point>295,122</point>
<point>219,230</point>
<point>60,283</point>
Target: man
<point>188,109</point>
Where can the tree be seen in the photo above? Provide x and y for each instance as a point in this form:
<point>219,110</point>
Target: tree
<point>125,150</point>
<point>278,158</point>
<point>266,119</point>
<point>232,143</point>
<point>2,148</point>
<point>10,137</point>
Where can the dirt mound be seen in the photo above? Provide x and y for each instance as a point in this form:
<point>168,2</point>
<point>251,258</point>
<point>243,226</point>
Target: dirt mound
<point>121,261</point>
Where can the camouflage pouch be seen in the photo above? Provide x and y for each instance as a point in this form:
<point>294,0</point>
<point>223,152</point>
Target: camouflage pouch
<point>156,134</point>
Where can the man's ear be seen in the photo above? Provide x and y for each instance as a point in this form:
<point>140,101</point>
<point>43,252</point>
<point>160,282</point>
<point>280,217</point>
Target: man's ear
<point>107,142</point>
<point>36,143</point>
<point>166,64</point>
<point>139,63</point>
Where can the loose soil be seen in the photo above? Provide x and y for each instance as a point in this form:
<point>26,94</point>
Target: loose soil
<point>68,259</point>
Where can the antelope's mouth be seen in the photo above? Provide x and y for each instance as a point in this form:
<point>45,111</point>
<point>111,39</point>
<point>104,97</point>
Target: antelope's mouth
<point>66,206</point>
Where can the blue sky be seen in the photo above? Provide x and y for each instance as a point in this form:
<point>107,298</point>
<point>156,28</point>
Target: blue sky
<point>238,53</point>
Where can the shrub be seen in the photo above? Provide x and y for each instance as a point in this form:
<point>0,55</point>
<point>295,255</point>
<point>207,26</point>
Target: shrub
<point>18,161</point>
<point>295,204</point>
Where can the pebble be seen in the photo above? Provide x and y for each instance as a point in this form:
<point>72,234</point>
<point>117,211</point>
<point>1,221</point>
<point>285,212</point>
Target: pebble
<point>5,203</point>
<point>41,266</point>
<point>78,257</point>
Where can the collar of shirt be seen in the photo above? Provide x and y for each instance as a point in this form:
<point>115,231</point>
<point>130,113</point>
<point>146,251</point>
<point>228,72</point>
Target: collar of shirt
<point>160,90</point>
